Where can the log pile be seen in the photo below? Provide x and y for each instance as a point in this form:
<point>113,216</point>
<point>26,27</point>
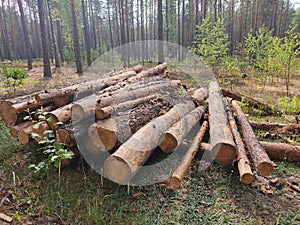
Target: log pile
<point>132,113</point>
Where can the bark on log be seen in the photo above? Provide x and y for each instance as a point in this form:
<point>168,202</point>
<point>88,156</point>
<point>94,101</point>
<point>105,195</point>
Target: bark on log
<point>65,135</point>
<point>106,112</point>
<point>179,174</point>
<point>13,114</point>
<point>89,106</point>
<point>84,89</point>
<point>62,115</point>
<point>251,101</point>
<point>222,144</point>
<point>15,129</point>
<point>201,93</point>
<point>261,160</point>
<point>282,128</point>
<point>25,134</point>
<point>137,69</point>
<point>121,166</point>
<point>105,135</point>
<point>81,90</point>
<point>244,166</point>
<point>172,138</point>
<point>282,151</point>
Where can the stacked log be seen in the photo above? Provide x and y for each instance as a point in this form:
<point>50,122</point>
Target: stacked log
<point>130,113</point>
<point>223,147</point>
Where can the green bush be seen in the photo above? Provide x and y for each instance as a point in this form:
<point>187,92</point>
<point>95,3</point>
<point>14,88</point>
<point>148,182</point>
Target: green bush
<point>289,106</point>
<point>14,77</point>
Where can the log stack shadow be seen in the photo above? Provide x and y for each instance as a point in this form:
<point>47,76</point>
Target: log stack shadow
<point>129,116</point>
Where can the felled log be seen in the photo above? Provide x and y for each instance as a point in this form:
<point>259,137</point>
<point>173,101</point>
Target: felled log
<point>65,136</point>
<point>180,172</point>
<point>24,135</point>
<point>255,103</point>
<point>84,89</point>
<point>66,95</point>
<point>222,145</point>
<point>13,114</point>
<point>282,151</point>
<point>261,160</point>
<point>172,138</point>
<point>62,115</point>
<point>106,112</point>
<point>121,166</point>
<point>246,175</point>
<point>90,106</point>
<point>15,129</point>
<point>137,69</point>
<point>201,93</point>
<point>105,135</point>
<point>275,126</point>
<point>297,119</point>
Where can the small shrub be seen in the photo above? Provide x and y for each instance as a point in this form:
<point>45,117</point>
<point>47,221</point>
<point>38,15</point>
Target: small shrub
<point>14,77</point>
<point>289,106</point>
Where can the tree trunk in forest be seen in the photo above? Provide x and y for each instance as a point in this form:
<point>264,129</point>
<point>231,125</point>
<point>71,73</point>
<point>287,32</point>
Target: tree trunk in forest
<point>262,162</point>
<point>244,165</point>
<point>142,30</point>
<point>41,9</point>
<point>57,6</point>
<point>274,17</point>
<point>26,36</point>
<point>87,38</point>
<point>38,45</point>
<point>173,137</point>
<point>110,25</point>
<point>222,145</point>
<point>56,56</point>
<point>242,21</point>
<point>160,34</point>
<point>12,33</point>
<point>232,21</point>
<point>5,36</point>
<point>178,30</point>
<point>121,166</point>
<point>180,172</point>
<point>76,39</point>
<point>282,151</point>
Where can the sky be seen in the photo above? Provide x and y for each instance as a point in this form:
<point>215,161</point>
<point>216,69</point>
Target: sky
<point>296,3</point>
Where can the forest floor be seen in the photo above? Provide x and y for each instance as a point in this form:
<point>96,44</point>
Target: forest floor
<point>82,196</point>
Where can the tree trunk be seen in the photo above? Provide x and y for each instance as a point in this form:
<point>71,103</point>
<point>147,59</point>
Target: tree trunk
<point>47,68</point>
<point>5,36</point>
<point>160,34</point>
<point>56,56</point>
<point>222,145</point>
<point>87,38</point>
<point>262,162</point>
<point>26,36</point>
<point>110,26</point>
<point>59,33</point>
<point>121,166</point>
<point>232,21</point>
<point>173,137</point>
<point>282,151</point>
<point>76,39</point>
<point>244,166</point>
<point>179,174</point>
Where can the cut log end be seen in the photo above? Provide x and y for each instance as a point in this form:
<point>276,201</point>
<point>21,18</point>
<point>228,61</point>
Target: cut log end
<point>265,169</point>
<point>169,143</point>
<point>23,137</point>
<point>108,138</point>
<point>224,154</point>
<point>247,178</point>
<point>77,112</point>
<point>175,182</point>
<point>117,170</point>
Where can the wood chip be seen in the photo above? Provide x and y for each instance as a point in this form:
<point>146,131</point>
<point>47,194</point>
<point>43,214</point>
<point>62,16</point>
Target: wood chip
<point>6,218</point>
